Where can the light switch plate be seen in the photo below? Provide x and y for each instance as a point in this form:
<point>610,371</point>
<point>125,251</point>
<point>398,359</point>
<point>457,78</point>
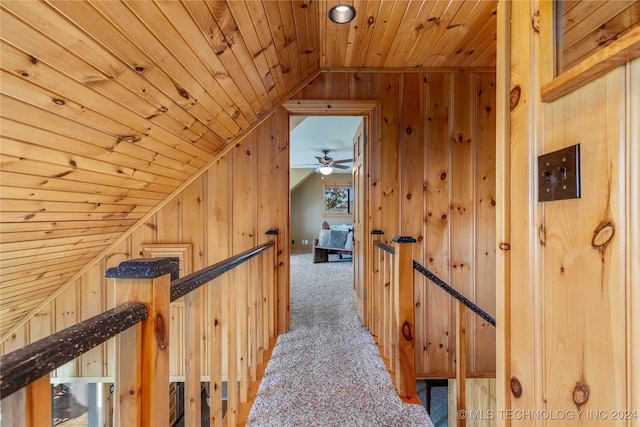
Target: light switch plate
<point>559,174</point>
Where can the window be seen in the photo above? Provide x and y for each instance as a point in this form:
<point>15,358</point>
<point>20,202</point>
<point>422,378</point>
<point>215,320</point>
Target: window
<point>337,200</point>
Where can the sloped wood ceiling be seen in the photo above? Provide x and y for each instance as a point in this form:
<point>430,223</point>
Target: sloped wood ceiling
<point>108,107</point>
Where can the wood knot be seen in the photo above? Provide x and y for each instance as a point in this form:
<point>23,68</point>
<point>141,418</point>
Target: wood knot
<point>516,388</point>
<point>371,20</point>
<point>406,331</point>
<point>580,394</point>
<point>603,235</point>
<point>443,176</point>
<point>409,131</point>
<point>161,332</point>
<point>505,246</point>
<point>514,98</point>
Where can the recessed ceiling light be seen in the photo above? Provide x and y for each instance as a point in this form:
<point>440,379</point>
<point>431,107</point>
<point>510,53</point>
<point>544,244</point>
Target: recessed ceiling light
<point>342,13</point>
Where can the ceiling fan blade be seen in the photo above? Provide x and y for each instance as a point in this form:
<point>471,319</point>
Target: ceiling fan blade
<point>343,161</point>
<point>341,166</point>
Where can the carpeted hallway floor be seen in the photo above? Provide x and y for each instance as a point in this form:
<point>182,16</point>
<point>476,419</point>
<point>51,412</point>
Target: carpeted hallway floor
<point>327,370</point>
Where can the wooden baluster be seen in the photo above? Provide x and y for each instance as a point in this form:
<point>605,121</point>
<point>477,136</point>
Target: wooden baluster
<point>192,340</point>
<point>404,318</point>
<point>142,352</point>
<point>217,292</point>
<point>242,285</point>
<point>461,362</point>
<point>387,278</point>
<point>38,405</point>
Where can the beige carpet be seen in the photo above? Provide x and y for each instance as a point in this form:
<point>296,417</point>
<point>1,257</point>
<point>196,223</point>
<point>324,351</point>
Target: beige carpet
<point>327,370</point>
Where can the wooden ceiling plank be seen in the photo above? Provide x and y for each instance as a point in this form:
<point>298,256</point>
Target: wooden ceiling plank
<point>76,227</point>
<point>32,255</point>
<point>80,167</point>
<point>268,44</point>
<point>16,312</point>
<point>368,15</point>
<point>442,20</point>
<point>483,31</point>
<point>77,253</point>
<point>485,54</point>
<point>390,30</point>
<point>239,61</point>
<point>37,290</point>
<point>26,236</point>
<point>312,36</point>
<point>74,177</point>
<point>211,37</point>
<point>163,47</point>
<point>8,247</point>
<point>405,30</point>
<point>357,28</point>
<point>21,149</point>
<point>30,115</point>
<point>264,62</point>
<point>219,41</point>
<point>59,184</point>
<point>467,34</point>
<point>199,14</point>
<point>301,35</point>
<point>108,73</point>
<point>381,23</point>
<point>13,205</point>
<point>8,192</point>
<point>342,32</point>
<point>418,21</point>
<point>10,273</point>
<point>69,216</point>
<point>288,26</point>
<point>276,28</point>
<point>128,154</point>
<point>133,125</point>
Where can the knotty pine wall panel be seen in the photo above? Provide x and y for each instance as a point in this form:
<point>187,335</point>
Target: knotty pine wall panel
<point>223,212</point>
<point>434,161</point>
<point>571,337</point>
<point>245,193</point>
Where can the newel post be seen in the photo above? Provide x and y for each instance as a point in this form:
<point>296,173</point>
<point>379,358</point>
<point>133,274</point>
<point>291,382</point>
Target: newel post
<point>404,317</point>
<point>142,351</point>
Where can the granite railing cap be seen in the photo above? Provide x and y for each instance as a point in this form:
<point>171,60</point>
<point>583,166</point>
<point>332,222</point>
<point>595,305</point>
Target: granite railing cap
<point>144,268</point>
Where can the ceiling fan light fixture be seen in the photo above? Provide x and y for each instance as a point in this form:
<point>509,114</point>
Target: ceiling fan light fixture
<point>325,170</point>
<point>342,14</point>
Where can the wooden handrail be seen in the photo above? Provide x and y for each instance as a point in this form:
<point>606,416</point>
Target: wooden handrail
<point>184,285</point>
<point>25,365</point>
<point>457,295</point>
<point>143,294</point>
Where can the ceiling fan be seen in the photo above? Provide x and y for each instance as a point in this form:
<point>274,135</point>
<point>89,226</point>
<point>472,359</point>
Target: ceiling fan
<point>327,163</point>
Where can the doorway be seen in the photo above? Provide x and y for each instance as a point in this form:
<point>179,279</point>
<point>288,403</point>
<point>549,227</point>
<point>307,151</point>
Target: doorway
<point>366,111</point>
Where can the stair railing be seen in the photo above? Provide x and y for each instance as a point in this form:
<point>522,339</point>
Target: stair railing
<point>140,324</point>
<point>392,319</point>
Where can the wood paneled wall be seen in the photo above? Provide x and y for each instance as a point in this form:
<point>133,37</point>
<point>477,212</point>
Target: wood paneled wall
<point>432,177</point>
<point>225,211</point>
<point>571,275</point>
